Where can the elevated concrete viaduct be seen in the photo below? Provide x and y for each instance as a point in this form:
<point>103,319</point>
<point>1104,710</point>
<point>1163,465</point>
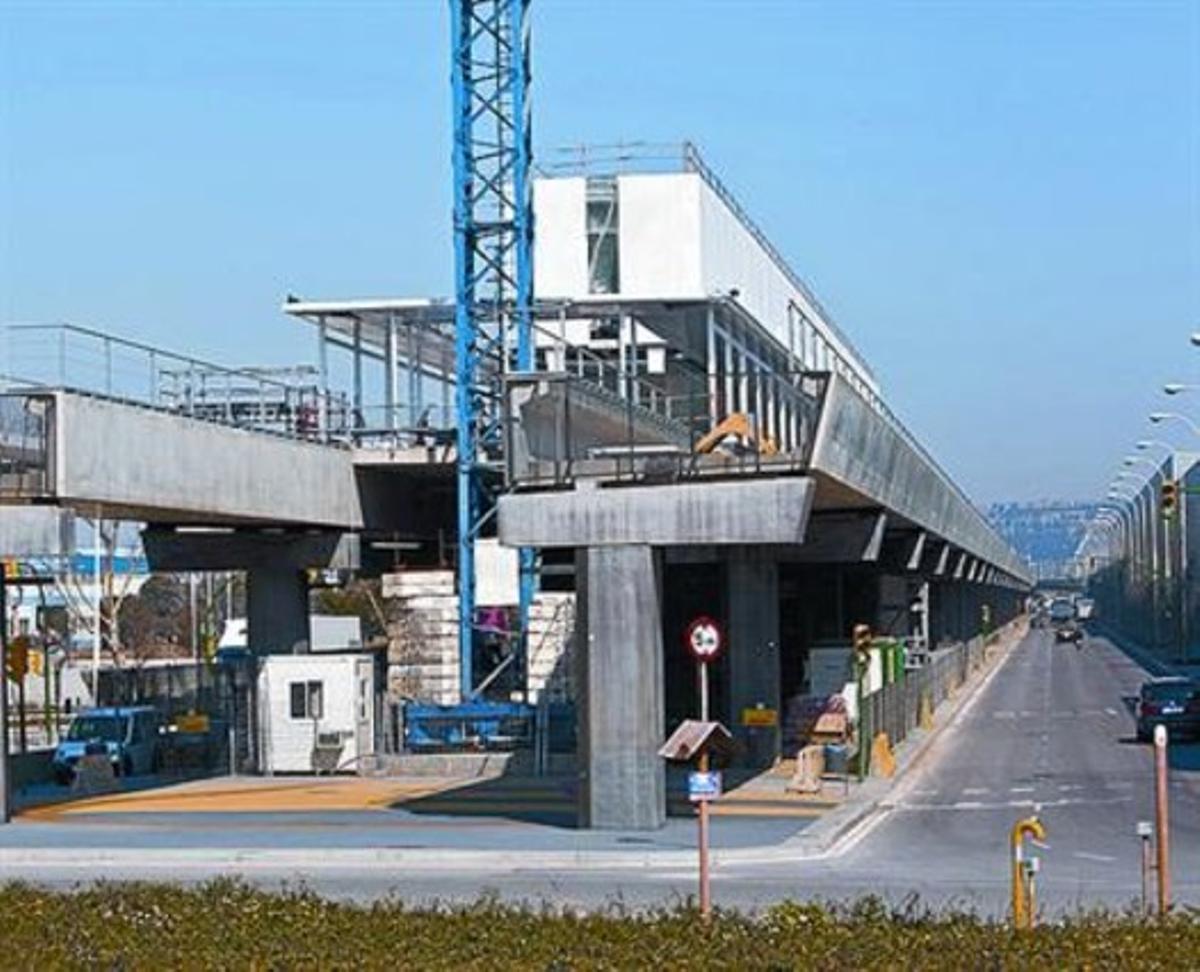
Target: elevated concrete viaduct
<point>215,496</point>
<point>788,553</point>
<point>695,432</point>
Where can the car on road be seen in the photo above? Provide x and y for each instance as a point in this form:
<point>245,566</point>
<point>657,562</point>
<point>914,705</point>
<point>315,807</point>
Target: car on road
<point>1085,608</point>
<point>1069,631</point>
<point>1172,701</point>
<point>1064,621</point>
<point>1062,610</point>
<point>128,735</point>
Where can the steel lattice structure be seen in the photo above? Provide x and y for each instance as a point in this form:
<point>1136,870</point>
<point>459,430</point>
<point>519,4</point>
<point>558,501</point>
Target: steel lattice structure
<point>493,259</point>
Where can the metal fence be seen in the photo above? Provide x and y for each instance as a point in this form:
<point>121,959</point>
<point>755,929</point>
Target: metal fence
<point>896,708</point>
<point>560,426</point>
<point>224,693</point>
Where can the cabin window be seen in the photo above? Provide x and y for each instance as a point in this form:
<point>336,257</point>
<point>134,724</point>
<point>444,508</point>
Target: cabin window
<point>307,699</point>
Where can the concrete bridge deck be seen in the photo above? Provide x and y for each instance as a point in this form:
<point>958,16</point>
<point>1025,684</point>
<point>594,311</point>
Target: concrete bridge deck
<point>152,465</point>
<point>857,461</point>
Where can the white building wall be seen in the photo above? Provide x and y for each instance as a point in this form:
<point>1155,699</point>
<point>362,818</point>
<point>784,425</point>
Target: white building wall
<point>731,258</point>
<point>560,267</point>
<point>290,742</point>
<point>678,239</point>
<point>660,236</point>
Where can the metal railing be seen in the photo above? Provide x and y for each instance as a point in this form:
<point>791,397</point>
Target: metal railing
<point>91,362</point>
<point>563,426</point>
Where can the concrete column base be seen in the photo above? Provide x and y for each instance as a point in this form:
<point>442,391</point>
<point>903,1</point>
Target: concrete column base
<point>620,671</point>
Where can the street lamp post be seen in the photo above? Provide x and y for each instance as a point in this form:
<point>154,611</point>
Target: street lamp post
<point>1160,417</point>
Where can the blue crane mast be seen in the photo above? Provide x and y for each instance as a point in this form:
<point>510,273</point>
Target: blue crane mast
<point>493,271</point>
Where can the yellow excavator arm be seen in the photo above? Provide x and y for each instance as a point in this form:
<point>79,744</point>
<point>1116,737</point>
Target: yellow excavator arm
<point>736,424</point>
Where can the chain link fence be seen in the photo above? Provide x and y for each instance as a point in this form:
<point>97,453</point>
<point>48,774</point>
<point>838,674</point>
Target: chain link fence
<point>897,708</point>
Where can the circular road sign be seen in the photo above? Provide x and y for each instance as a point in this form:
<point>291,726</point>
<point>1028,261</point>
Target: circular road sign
<point>704,638</point>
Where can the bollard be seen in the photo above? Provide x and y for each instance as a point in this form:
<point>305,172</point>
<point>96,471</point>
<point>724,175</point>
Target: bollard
<point>1162,834</point>
<point>1023,871</point>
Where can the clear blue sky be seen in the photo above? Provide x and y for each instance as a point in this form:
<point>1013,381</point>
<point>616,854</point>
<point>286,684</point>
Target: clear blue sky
<point>1000,201</point>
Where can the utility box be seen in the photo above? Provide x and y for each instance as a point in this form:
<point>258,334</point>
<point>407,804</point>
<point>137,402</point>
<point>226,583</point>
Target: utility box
<point>316,712</point>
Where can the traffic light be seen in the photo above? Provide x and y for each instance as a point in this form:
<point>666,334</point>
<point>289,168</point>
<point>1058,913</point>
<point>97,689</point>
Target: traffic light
<point>18,658</point>
<point>1169,498</point>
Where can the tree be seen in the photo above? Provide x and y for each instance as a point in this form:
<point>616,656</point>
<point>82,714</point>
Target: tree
<point>155,621</point>
<point>78,589</point>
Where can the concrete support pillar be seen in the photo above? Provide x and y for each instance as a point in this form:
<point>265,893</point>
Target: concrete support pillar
<point>753,652</point>
<point>277,610</point>
<point>891,613</point>
<point>620,677</point>
<point>953,614</point>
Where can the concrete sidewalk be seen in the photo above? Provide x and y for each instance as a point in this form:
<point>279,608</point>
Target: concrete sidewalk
<point>423,824</point>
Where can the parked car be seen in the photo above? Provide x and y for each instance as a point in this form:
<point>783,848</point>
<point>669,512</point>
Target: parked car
<point>128,735</point>
<point>1172,701</point>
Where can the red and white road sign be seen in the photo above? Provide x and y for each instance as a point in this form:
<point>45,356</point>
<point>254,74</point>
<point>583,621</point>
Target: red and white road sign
<point>704,638</point>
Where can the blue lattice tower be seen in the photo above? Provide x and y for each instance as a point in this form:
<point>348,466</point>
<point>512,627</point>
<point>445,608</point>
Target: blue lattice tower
<point>493,262</point>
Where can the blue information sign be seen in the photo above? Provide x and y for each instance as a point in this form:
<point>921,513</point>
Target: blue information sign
<point>703,786</point>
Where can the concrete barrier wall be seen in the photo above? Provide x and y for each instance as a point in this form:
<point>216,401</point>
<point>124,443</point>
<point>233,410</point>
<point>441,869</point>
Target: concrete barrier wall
<point>155,465</point>
<point>859,447</point>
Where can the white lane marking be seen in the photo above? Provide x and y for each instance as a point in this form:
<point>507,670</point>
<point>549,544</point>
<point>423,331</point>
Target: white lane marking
<point>1069,788</point>
<point>1021,789</point>
<point>1111,711</point>
<point>1102,858</point>
<point>927,764</point>
<point>1010,804</point>
<point>975,790</point>
<point>1120,785</point>
<point>1005,714</point>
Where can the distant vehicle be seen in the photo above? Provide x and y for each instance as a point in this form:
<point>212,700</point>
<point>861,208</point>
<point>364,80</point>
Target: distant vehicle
<point>1061,610</point>
<point>1085,608</point>
<point>1068,631</point>
<point>1172,701</point>
<point>128,735</point>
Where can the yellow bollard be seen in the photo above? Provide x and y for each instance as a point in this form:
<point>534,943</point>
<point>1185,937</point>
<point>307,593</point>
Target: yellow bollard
<point>925,712</point>
<point>1022,903</point>
<point>883,762</point>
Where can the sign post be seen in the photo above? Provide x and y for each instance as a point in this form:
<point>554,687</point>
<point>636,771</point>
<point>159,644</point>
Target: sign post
<point>704,641</point>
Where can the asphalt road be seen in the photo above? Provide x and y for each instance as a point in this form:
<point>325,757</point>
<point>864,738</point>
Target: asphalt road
<point>1051,732</point>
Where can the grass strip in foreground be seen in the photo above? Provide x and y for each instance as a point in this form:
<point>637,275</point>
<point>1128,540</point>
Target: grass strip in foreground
<point>228,925</point>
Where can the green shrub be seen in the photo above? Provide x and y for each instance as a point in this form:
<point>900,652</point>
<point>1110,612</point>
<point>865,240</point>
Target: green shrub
<point>227,925</point>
